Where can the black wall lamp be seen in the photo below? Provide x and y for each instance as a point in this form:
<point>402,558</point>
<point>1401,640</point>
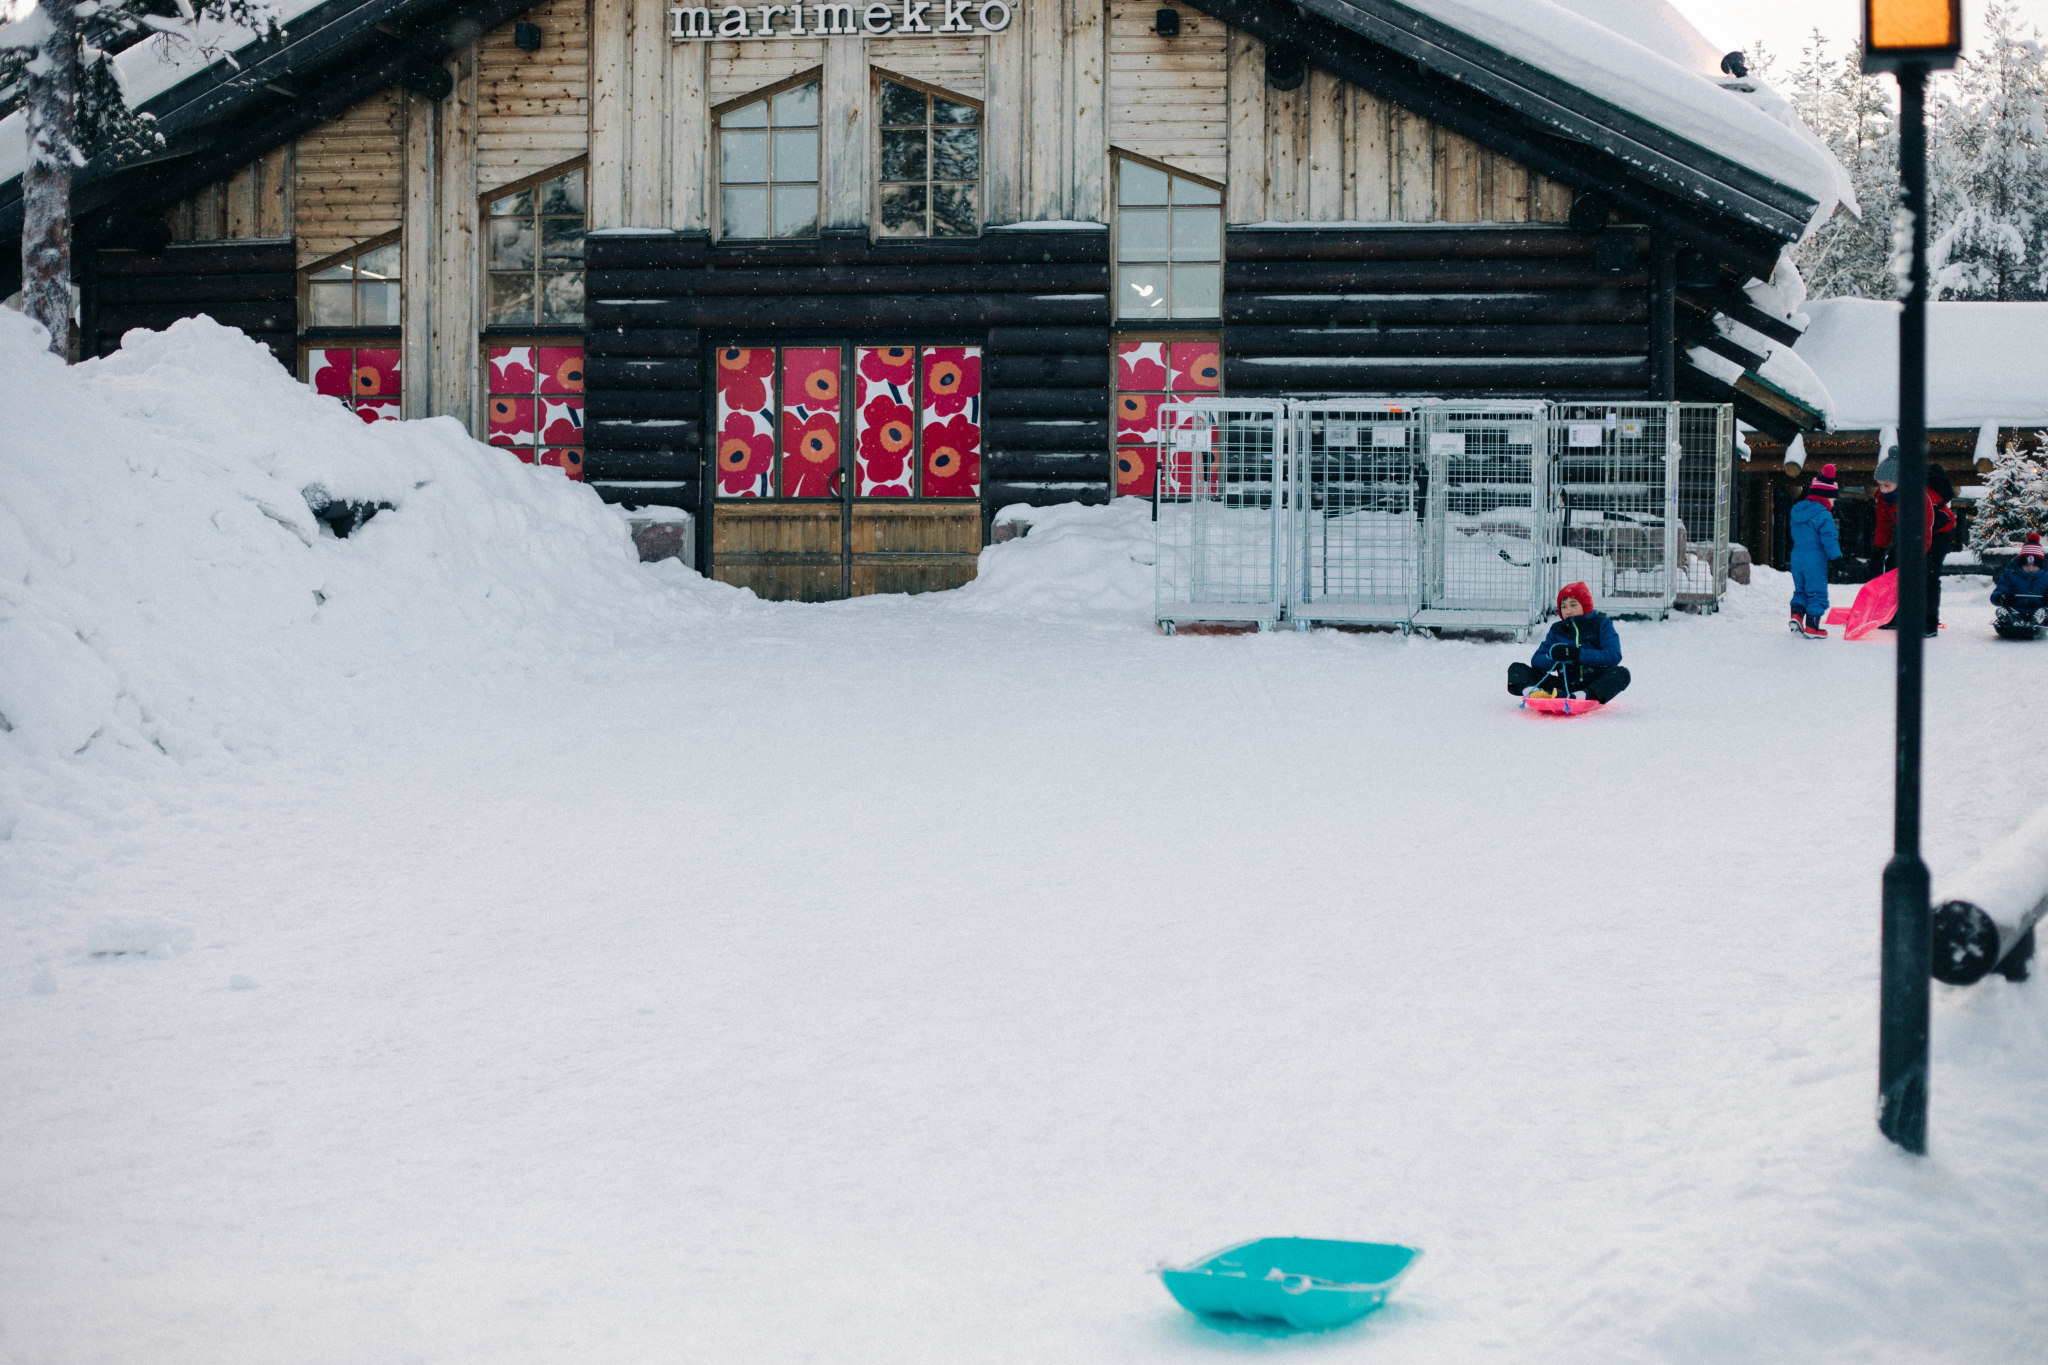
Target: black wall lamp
<point>1166,23</point>
<point>526,37</point>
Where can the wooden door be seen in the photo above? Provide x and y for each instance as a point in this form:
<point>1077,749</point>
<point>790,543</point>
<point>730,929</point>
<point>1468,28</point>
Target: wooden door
<point>785,552</point>
<point>914,547</point>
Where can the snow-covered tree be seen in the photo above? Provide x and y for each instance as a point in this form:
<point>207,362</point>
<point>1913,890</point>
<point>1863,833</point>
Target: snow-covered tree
<point>1853,114</point>
<point>59,58</point>
<point>2015,497</point>
<point>1989,153</point>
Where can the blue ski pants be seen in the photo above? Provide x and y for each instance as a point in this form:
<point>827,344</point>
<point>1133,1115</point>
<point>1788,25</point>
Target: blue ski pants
<point>1809,583</point>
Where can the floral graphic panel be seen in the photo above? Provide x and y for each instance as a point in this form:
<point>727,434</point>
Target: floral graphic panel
<point>560,420</point>
<point>745,444</point>
<point>1136,470</point>
<point>949,443</point>
<point>1197,367</point>
<point>1137,418</point>
<point>952,381</point>
<point>1141,365</point>
<point>510,420</point>
<point>568,460</point>
<point>511,369</point>
<point>331,372</point>
<point>810,421</point>
<point>376,374</point>
<point>885,435</point>
<point>561,369</point>
<point>378,410</point>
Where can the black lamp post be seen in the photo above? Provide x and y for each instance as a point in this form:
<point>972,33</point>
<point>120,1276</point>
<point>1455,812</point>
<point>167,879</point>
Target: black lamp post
<point>1909,38</point>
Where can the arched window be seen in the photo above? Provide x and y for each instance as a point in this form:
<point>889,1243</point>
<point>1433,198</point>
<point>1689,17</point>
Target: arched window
<point>929,173</point>
<point>350,316</point>
<point>1169,244</point>
<point>768,162</point>
<point>535,255</point>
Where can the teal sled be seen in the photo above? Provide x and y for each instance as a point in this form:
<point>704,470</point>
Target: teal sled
<point>1301,1281</point>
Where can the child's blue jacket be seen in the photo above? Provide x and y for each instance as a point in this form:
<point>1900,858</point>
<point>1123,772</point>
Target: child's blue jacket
<point>1599,645</point>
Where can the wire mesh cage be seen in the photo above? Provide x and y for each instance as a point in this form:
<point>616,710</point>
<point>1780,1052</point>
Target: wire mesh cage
<point>1614,481</point>
<point>1485,470</point>
<point>1358,511</point>
<point>1221,549</point>
<point>1706,463</point>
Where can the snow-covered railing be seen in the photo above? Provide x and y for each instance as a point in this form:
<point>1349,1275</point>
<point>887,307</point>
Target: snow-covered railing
<point>1985,921</point>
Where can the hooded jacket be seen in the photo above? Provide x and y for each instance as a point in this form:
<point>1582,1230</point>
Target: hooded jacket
<point>1813,529</point>
<point>1599,645</point>
<point>2018,588</point>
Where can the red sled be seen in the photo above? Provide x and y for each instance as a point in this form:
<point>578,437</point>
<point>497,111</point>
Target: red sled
<point>1876,604</point>
<point>1563,706</point>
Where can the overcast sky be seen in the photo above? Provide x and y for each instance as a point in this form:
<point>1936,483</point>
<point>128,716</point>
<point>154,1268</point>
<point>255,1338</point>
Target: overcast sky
<point>1783,25</point>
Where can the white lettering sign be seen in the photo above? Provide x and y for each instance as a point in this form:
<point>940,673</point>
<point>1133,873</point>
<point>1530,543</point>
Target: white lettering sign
<point>848,18</point>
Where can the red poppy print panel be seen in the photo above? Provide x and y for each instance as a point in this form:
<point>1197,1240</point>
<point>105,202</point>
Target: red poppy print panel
<point>376,374</point>
<point>560,419</point>
<point>949,444</point>
<point>1141,365</point>
<point>745,443</point>
<point>510,420</point>
<point>378,410</point>
<point>1136,468</point>
<point>569,461</point>
<point>511,369</point>
<point>810,421</point>
<point>1137,418</point>
<point>331,372</point>
<point>561,369</point>
<point>885,397</point>
<point>1197,367</point>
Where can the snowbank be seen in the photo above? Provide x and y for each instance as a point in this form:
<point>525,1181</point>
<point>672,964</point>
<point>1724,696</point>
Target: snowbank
<point>164,583</point>
<point>1984,361</point>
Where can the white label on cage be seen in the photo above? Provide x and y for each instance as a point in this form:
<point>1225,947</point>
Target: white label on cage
<point>1612,418</point>
<point>1390,434</point>
<point>1340,433</point>
<point>1583,433</point>
<point>1191,438</point>
<point>1632,428</point>
<point>1447,443</point>
<point>1522,434</point>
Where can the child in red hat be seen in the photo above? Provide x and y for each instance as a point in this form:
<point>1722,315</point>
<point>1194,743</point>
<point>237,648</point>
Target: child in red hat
<point>2021,594</point>
<point>1580,657</point>
<point>1815,545</point>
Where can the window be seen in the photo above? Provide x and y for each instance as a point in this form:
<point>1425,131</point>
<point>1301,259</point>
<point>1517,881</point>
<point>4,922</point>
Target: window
<point>360,289</point>
<point>536,404</point>
<point>930,174</point>
<point>915,419</point>
<point>1169,244</point>
<point>365,378</point>
<point>768,165</point>
<point>1150,372</point>
<point>535,258</point>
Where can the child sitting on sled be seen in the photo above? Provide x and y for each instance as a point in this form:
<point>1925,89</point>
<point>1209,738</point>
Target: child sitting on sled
<point>1815,545</point>
<point>2021,594</point>
<point>1581,657</point>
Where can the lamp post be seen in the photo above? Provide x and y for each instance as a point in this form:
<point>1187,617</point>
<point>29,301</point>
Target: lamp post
<point>1909,38</point>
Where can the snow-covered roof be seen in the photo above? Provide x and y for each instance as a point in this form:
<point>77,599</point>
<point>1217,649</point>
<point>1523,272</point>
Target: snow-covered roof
<point>1644,57</point>
<point>1985,362</point>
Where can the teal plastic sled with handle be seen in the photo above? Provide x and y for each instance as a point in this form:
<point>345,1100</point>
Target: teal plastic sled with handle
<point>1301,1281</point>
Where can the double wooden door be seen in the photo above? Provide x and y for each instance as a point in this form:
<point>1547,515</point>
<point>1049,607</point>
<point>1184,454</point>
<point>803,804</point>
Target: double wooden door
<point>818,497</point>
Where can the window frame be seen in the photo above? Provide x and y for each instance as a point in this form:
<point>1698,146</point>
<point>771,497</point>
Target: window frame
<point>876,75</point>
<point>507,337</point>
<point>1201,334</point>
<point>1117,158</point>
<point>484,200</point>
<point>395,237</point>
<point>715,170</point>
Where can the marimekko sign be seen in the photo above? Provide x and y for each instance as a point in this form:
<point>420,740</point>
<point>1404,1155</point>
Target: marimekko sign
<point>834,20</point>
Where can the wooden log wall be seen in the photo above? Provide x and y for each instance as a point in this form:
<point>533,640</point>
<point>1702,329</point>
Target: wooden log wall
<point>533,108</point>
<point>252,285</point>
<point>1038,301</point>
<point>1169,98</point>
<point>255,201</point>
<point>1459,312</point>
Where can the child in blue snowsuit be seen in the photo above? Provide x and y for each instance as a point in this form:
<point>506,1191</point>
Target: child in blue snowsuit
<point>2021,594</point>
<point>1580,657</point>
<point>1815,545</point>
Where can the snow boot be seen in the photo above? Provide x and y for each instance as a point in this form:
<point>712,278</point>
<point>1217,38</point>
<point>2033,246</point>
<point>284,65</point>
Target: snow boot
<point>1798,625</point>
<point>1810,628</point>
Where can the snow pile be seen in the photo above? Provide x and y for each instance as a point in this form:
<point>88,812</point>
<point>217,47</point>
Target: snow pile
<point>2011,879</point>
<point>164,583</point>
<point>1984,361</point>
<point>1075,561</point>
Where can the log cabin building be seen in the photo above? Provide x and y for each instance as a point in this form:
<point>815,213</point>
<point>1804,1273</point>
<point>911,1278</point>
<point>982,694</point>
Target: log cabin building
<point>843,279</point>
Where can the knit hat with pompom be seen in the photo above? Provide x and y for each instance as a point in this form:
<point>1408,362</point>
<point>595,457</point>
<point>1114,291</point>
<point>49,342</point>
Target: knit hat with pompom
<point>2031,549</point>
<point>1824,485</point>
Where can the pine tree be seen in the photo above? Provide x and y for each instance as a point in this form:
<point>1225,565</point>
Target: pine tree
<point>1991,207</point>
<point>74,110</point>
<point>2015,498</point>
<point>1848,256</point>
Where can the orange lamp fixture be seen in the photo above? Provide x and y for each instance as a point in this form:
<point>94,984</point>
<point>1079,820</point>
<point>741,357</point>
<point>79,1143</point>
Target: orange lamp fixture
<point>1926,33</point>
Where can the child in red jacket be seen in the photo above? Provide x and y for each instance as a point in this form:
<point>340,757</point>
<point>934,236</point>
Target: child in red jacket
<point>1940,522</point>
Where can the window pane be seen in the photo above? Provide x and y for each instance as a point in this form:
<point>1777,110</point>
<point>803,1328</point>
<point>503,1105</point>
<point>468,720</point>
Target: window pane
<point>1141,184</point>
<point>953,212</point>
<point>903,155</point>
<point>345,271</point>
<point>561,296</point>
<point>511,244</point>
<point>753,116</point>
<point>903,210</point>
<point>511,298</point>
<point>1197,234</point>
<point>1197,291</point>
<point>797,108</point>
<point>561,239</point>
<point>377,305</point>
<point>1188,192</point>
<point>1141,291</point>
<point>901,104</point>
<point>796,155</point>
<point>956,153</point>
<point>563,195</point>
<point>521,202</point>
<point>946,111</point>
<point>746,211</point>
<point>1141,235</point>
<point>796,210</point>
<point>745,157</point>
<point>333,305</point>
<point>381,264</point>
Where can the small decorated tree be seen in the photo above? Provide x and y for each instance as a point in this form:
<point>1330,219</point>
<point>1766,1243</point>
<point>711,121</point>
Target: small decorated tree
<point>2015,497</point>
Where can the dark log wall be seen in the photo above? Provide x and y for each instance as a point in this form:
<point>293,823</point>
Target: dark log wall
<point>1457,312</point>
<point>1037,300</point>
<point>252,285</point>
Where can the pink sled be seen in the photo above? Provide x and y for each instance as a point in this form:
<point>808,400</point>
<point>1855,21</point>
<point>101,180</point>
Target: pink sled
<point>1876,604</point>
<point>1562,706</point>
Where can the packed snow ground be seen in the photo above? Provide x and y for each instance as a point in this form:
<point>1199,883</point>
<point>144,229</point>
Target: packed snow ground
<point>523,954</point>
